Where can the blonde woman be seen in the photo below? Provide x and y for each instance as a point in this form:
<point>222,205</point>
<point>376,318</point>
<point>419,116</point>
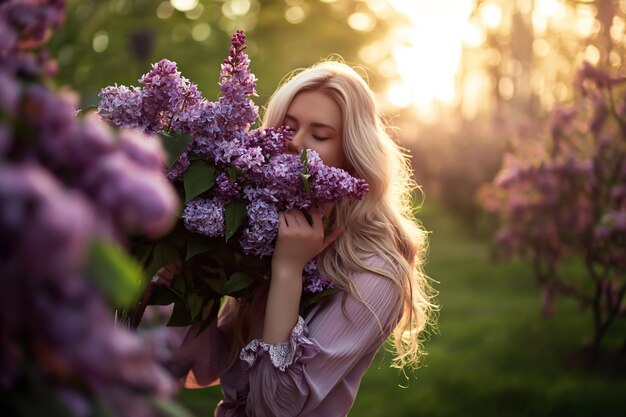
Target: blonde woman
<point>268,359</point>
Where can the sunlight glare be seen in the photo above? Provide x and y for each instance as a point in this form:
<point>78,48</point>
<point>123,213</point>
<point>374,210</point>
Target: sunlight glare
<point>360,21</point>
<point>474,35</point>
<point>184,5</point>
<point>428,54</point>
<point>491,14</point>
<point>399,96</point>
<point>548,8</point>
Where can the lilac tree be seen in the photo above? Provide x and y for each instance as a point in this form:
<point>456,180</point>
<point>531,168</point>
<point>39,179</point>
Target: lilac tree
<point>71,190</point>
<point>563,196</point>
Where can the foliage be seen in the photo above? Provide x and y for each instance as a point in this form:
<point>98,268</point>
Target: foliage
<point>135,36</point>
<point>452,165</point>
<point>564,196</point>
<point>71,190</point>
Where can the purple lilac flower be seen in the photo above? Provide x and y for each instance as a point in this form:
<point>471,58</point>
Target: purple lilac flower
<point>8,46</point>
<point>146,151</point>
<point>262,228</point>
<point>121,106</point>
<point>51,223</point>
<point>250,159</point>
<point>52,116</point>
<point>205,216</point>
<point>282,175</point>
<point>236,111</point>
<point>226,188</point>
<point>9,92</point>
<point>165,94</point>
<point>137,199</point>
<point>5,140</point>
<point>272,141</point>
<point>175,173</point>
<point>330,183</point>
<point>197,120</point>
<point>31,21</point>
<point>313,281</point>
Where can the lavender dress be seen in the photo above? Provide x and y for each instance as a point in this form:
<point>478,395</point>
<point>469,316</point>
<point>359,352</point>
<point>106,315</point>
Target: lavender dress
<point>317,372</point>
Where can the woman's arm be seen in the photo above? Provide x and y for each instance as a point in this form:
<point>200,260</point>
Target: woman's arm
<point>298,242</point>
<point>318,369</point>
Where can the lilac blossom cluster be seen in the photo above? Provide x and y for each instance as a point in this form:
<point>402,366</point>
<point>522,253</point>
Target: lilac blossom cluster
<point>67,185</point>
<point>563,196</point>
<point>250,164</point>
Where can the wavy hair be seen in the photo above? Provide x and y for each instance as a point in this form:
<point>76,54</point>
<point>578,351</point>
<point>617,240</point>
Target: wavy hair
<point>382,223</point>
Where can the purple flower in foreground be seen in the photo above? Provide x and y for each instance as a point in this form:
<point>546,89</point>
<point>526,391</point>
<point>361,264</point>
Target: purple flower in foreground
<point>146,151</point>
<point>137,198</point>
<point>205,216</point>
<point>45,227</point>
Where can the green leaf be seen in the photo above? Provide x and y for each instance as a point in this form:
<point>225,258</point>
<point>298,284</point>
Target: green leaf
<point>114,272</point>
<point>195,302</point>
<point>209,313</point>
<point>180,315</point>
<point>197,244</point>
<point>101,409</point>
<point>234,213</point>
<point>304,175</point>
<point>237,282</point>
<point>232,173</point>
<point>167,408</point>
<point>162,296</point>
<point>305,181</point>
<point>198,178</point>
<point>164,253</point>
<point>215,278</point>
<point>174,146</point>
<point>304,158</point>
<point>312,299</point>
<point>253,264</point>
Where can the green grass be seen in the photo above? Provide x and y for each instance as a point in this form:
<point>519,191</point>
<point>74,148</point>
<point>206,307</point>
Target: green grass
<point>494,354</point>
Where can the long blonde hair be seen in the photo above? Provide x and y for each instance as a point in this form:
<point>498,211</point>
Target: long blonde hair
<point>382,223</point>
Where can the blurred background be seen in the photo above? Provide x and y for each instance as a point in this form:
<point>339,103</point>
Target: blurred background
<point>461,81</point>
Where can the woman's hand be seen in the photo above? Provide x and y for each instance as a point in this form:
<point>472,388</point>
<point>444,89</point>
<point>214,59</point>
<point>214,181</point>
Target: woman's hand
<point>298,241</point>
<point>165,275</point>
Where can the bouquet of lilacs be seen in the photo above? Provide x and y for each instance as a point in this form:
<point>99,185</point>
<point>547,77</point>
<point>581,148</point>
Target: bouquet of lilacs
<point>234,182</point>
<point>562,197</point>
<point>71,190</point>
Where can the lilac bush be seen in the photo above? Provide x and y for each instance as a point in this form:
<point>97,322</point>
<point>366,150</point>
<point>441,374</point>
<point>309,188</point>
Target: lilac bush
<point>71,191</point>
<point>563,197</point>
<point>234,179</point>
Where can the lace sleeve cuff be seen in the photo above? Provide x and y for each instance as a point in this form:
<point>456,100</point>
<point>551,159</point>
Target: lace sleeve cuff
<point>282,355</point>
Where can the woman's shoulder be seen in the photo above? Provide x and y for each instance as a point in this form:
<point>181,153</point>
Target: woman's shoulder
<point>375,277</point>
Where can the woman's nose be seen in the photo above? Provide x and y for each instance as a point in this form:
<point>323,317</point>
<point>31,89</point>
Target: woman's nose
<point>295,144</point>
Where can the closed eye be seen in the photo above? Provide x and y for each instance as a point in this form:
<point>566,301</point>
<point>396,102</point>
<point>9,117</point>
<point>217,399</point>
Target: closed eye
<point>321,138</point>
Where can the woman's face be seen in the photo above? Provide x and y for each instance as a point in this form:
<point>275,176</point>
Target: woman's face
<point>316,122</point>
